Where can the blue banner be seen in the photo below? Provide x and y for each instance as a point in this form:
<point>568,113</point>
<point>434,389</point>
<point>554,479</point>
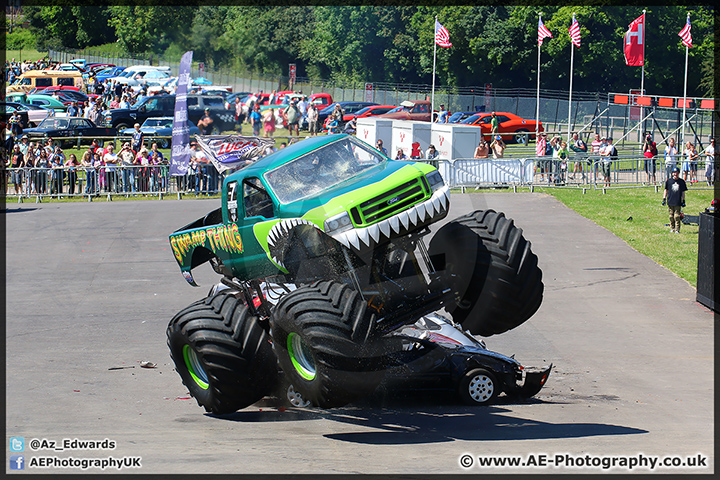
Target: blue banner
<point>180,153</point>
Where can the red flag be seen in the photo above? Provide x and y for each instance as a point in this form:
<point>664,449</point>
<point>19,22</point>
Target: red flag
<point>442,37</point>
<point>542,32</point>
<point>685,33</point>
<point>635,43</point>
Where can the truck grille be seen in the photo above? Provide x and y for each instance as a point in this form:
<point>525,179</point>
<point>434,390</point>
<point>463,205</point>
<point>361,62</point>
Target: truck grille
<point>389,203</point>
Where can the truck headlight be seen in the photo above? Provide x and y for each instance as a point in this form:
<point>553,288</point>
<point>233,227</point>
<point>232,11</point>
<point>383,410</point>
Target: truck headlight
<point>435,181</point>
<point>338,223</point>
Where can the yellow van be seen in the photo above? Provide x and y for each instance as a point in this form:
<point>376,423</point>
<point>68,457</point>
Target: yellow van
<point>46,78</point>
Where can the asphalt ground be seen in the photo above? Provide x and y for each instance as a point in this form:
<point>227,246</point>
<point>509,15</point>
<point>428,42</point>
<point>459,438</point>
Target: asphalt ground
<point>90,288</point>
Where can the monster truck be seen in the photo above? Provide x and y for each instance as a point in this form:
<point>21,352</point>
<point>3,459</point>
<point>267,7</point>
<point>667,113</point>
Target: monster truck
<point>320,247</point>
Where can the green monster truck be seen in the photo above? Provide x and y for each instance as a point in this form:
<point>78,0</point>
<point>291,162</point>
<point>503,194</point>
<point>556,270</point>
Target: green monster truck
<point>322,255</point>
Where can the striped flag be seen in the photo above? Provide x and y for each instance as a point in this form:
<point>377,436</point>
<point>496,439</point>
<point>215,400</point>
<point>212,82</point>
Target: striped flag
<point>575,32</point>
<point>685,34</point>
<point>542,32</point>
<point>442,37</point>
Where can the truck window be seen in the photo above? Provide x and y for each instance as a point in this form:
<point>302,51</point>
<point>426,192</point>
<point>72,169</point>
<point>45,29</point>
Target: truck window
<point>65,81</point>
<point>43,82</point>
<point>192,101</point>
<point>214,102</point>
<point>256,200</point>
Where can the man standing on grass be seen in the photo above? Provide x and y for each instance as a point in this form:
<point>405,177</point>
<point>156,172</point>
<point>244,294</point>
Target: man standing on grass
<point>674,196</point>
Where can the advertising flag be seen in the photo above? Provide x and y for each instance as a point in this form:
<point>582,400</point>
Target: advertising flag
<point>442,37</point>
<point>575,32</point>
<point>232,151</point>
<point>685,34</point>
<point>180,153</point>
<point>543,32</point>
<point>634,44</point>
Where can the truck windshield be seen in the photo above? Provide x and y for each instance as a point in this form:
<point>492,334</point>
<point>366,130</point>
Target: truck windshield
<point>321,169</point>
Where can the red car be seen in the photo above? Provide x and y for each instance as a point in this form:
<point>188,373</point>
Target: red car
<point>418,110</point>
<point>510,126</point>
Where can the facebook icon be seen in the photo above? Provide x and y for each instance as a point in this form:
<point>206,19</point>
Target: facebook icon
<point>17,462</point>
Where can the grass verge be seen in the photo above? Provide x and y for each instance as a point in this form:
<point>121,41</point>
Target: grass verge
<point>637,216</point>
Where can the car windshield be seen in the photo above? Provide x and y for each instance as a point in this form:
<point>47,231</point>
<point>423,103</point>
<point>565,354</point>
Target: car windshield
<point>471,119</point>
<point>157,122</point>
<point>321,169</point>
<point>54,123</point>
<point>396,109</point>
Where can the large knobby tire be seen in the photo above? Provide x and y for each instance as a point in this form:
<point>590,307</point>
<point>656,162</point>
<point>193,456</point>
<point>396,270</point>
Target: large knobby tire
<point>322,336</point>
<point>492,268</point>
<point>223,355</point>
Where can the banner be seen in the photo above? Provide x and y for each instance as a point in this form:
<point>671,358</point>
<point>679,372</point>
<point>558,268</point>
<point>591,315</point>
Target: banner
<point>634,47</point>
<point>180,153</point>
<point>231,151</point>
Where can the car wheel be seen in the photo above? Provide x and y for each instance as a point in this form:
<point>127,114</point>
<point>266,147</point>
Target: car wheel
<point>484,257</point>
<point>121,126</point>
<point>322,336</point>
<point>163,143</point>
<point>222,353</point>
<point>478,387</point>
<point>521,137</point>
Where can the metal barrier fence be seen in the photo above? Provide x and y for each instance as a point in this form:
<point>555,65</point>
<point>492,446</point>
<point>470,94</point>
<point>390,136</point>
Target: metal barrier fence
<point>588,172</point>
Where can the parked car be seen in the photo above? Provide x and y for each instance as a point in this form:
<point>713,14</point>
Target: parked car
<point>141,78</point>
<point>35,114</point>
<point>67,96</point>
<point>47,101</point>
<point>369,111</point>
<point>418,110</point>
<point>59,128</point>
<point>164,106</point>
<point>156,127</point>
<point>108,72</point>
<point>458,117</point>
<point>348,106</point>
<point>510,126</point>
<point>7,110</point>
<point>230,99</point>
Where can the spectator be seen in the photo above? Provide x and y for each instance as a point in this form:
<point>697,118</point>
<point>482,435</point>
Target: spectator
<point>481,151</point>
<point>442,115</point>
<point>351,126</point>
<point>312,118</point>
<point>74,110</point>
<point>431,153</point>
<point>87,163</point>
<point>649,152</point>
<point>671,153</point>
<point>142,162</point>
<point>239,116</point>
<point>674,196</point>
<point>115,103</point>
<point>30,170</point>
<point>596,145</point>
<point>690,162</point>
<point>110,159</point>
<point>607,154</point>
<point>16,162</point>
<point>338,113</point>
<point>94,113</point>
<point>16,127</point>
<point>580,148</point>
<point>72,164</point>
<point>498,147</point>
<point>137,140</point>
<point>126,158</point>
<point>563,155</point>
<point>156,158</point>
<point>292,117</point>
<point>42,164</point>
<point>710,161</point>
<point>57,162</point>
<point>256,120</point>
<point>269,123</point>
<point>400,155</point>
<point>416,152</point>
<point>379,146</point>
<point>333,126</point>
<point>493,124</point>
<point>24,145</point>
<point>540,151</point>
<point>206,123</point>
<point>303,107</point>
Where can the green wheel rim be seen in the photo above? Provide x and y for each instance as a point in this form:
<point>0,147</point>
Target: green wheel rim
<point>197,372</point>
<point>301,357</point>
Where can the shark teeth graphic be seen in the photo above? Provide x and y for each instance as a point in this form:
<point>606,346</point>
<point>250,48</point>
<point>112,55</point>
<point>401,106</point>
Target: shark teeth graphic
<point>438,203</point>
<point>280,230</point>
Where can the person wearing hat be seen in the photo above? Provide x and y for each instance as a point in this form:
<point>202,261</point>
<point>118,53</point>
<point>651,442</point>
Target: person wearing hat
<point>292,117</point>
<point>24,144</point>
<point>674,197</point>
<point>497,147</point>
<point>442,115</point>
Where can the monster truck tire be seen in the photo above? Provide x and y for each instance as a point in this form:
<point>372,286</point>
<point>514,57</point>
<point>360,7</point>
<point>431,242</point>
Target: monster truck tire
<point>222,353</point>
<point>322,336</point>
<point>485,257</point>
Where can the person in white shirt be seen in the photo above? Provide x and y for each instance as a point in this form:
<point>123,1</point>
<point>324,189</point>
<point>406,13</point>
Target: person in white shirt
<point>710,161</point>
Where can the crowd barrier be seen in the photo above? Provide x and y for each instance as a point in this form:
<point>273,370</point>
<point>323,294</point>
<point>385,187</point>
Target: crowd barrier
<point>463,173</point>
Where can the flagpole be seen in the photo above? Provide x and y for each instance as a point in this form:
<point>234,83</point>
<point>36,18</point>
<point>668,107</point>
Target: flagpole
<point>642,73</point>
<point>537,102</point>
<point>572,56</point>
<point>432,99</point>
<point>687,49</point>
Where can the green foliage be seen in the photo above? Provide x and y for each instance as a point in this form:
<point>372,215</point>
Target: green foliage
<point>20,39</point>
